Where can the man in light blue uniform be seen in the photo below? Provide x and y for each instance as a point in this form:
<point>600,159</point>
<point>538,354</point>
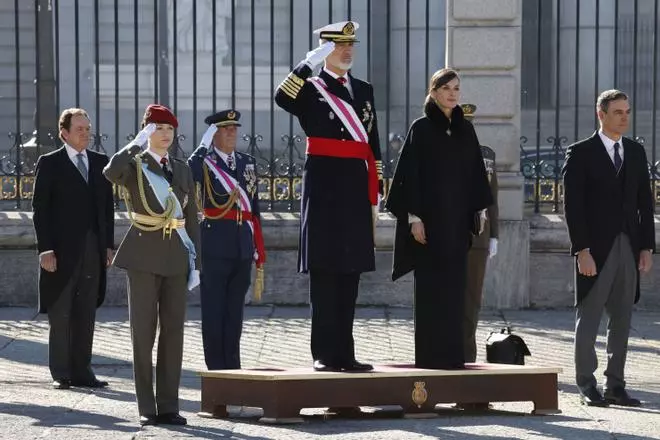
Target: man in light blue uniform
<point>231,238</point>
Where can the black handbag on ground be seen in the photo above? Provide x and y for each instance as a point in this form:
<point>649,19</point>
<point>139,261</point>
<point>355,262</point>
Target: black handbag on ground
<point>505,348</point>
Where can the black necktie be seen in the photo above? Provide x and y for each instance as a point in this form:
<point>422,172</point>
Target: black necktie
<point>617,157</point>
<point>166,171</point>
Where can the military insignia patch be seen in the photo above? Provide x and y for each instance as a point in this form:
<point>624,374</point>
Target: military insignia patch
<point>349,28</point>
<point>368,116</point>
<point>250,176</point>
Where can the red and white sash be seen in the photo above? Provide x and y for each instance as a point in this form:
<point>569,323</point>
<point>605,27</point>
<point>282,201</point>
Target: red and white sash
<point>343,110</point>
<point>229,183</point>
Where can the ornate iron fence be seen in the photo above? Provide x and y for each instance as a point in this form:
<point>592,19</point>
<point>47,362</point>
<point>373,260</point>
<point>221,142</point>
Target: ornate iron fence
<point>113,57</point>
<point>573,50</point>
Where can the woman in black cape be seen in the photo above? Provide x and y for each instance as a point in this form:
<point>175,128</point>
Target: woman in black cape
<point>439,187</point>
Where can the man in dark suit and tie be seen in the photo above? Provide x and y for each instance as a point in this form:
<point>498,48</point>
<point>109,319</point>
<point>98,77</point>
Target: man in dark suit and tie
<point>74,223</point>
<point>609,213</point>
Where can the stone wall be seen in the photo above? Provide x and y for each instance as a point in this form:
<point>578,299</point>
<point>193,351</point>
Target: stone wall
<point>547,271</point>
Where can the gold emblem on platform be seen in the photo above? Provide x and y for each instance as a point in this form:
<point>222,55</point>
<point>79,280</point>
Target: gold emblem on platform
<point>419,394</point>
<point>250,176</point>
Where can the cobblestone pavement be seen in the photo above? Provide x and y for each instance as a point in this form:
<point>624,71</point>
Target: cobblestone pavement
<point>279,336</point>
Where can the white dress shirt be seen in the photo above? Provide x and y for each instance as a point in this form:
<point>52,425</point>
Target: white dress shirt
<point>157,157</point>
<point>348,80</point>
<point>224,156</point>
<point>609,145</point>
<point>73,155</point>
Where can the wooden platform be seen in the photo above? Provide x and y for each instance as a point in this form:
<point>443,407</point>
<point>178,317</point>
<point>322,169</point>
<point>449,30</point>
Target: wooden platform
<point>283,392</point>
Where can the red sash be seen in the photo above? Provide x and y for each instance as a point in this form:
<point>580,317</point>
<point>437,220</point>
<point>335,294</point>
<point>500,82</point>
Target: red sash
<point>233,214</point>
<point>317,146</point>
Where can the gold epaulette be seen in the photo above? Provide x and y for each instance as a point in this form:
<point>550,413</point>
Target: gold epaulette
<point>292,85</point>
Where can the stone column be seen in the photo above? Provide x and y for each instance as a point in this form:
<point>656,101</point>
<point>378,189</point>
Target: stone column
<point>484,45</point>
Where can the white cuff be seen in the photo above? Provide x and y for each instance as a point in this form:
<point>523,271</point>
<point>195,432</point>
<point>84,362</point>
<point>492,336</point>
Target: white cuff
<point>412,218</point>
<point>46,252</point>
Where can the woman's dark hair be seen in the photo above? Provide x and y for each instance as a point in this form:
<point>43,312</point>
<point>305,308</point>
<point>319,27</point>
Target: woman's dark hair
<point>439,79</point>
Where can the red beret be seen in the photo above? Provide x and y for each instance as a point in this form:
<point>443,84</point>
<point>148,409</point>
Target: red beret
<point>159,114</point>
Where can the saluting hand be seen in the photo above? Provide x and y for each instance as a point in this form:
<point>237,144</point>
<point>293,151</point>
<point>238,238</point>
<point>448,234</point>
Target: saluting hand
<point>144,134</point>
<point>48,262</point>
<point>418,231</point>
<point>586,263</point>
<point>316,56</point>
<point>207,137</point>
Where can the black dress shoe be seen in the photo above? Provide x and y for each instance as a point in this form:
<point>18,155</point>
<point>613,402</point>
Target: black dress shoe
<point>357,366</point>
<point>592,397</point>
<point>171,419</point>
<point>62,384</point>
<point>147,420</point>
<point>90,384</point>
<point>320,366</point>
<point>620,397</point>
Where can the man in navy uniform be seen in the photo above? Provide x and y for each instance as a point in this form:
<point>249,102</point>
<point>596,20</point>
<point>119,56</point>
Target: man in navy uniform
<point>231,237</point>
<point>342,180</point>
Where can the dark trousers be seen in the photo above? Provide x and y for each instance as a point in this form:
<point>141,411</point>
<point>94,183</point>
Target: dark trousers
<point>154,300</point>
<point>438,310</point>
<point>477,260</point>
<point>72,316</point>
<point>224,284</point>
<point>332,297</point>
<point>614,291</point>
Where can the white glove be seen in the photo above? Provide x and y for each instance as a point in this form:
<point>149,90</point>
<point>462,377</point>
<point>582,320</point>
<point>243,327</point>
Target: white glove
<point>142,137</point>
<point>207,137</point>
<point>492,248</point>
<point>193,279</point>
<point>316,56</point>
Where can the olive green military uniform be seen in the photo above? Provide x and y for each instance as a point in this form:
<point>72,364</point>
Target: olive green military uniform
<point>158,267</point>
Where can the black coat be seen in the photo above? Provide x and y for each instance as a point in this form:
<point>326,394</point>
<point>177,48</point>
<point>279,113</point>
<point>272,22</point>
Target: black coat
<point>598,205</point>
<point>336,232</point>
<point>65,208</point>
<point>441,179</point>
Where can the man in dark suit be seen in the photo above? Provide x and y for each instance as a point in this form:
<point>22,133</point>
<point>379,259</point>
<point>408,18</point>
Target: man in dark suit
<point>231,237</point>
<point>159,253</point>
<point>74,223</point>
<point>337,113</point>
<point>609,213</point>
